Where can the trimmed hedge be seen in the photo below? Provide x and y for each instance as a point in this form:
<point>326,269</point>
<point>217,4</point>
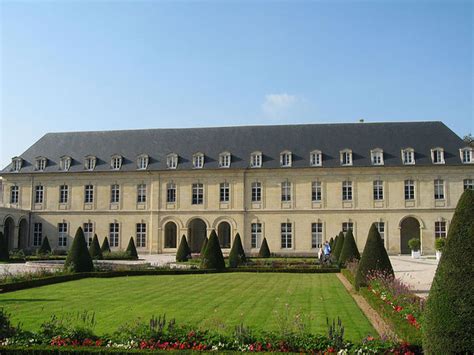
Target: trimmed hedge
<point>349,249</point>
<point>45,247</point>
<point>213,258</point>
<point>54,350</point>
<point>203,247</point>
<point>94,249</point>
<point>184,252</point>
<point>78,257</point>
<point>105,248</point>
<point>237,253</point>
<point>4,254</point>
<point>264,251</point>
<point>132,250</point>
<point>331,243</point>
<point>339,245</point>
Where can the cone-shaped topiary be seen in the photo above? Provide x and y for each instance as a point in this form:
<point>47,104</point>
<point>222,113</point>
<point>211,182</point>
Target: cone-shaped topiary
<point>105,248</point>
<point>94,249</point>
<point>237,253</point>
<point>213,258</point>
<point>349,249</point>
<point>203,247</point>
<point>374,258</point>
<point>184,252</point>
<point>338,248</point>
<point>331,243</point>
<point>131,250</point>
<point>264,251</point>
<point>448,325</point>
<point>45,248</point>
<point>4,255</point>
<point>78,258</point>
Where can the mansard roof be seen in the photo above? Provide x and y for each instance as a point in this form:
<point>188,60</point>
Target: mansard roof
<point>241,141</point>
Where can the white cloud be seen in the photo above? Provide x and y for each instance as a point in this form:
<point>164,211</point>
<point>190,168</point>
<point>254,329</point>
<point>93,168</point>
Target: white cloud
<point>278,104</point>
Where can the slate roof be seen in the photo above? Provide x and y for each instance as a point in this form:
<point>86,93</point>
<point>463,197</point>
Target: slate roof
<point>242,141</point>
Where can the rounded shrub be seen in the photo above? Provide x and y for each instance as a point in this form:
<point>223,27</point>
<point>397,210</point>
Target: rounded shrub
<point>414,244</point>
<point>264,251</point>
<point>105,248</point>
<point>45,248</point>
<point>338,248</point>
<point>349,249</point>
<point>78,258</point>
<point>213,258</point>
<point>184,252</point>
<point>440,243</point>
<point>374,258</point>
<point>237,253</point>
<point>4,255</point>
<point>132,250</point>
<point>94,249</point>
<point>448,325</point>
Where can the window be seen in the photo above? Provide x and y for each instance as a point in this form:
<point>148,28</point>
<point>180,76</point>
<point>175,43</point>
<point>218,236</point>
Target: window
<point>224,160</point>
<point>378,190</point>
<point>346,157</point>
<point>439,189</point>
<point>171,235</point>
<point>115,193</point>
<point>285,191</point>
<point>142,162</point>
<point>40,163</point>
<point>62,234</point>
<point>286,236</point>
<point>256,160</point>
<point>89,194</point>
<point>116,162</point>
<point>141,193</point>
<point>17,162</point>
<point>114,231</point>
<point>198,160</point>
<point>14,192</point>
<point>198,194</point>
<point>469,184</point>
<point>440,229</point>
<point>89,163</point>
<point>141,235</point>
<point>256,235</point>
<point>65,163</point>
<point>376,156</point>
<point>172,161</point>
<point>224,192</point>
<point>316,158</point>
<point>63,194</point>
<point>171,193</point>
<point>37,234</point>
<point>467,155</point>
<point>256,191</point>
<point>88,228</point>
<point>316,235</point>
<point>381,228</point>
<point>437,155</point>
<point>316,191</point>
<point>39,193</point>
<point>409,190</point>
<point>408,156</point>
<point>347,190</point>
<point>285,159</point>
<point>347,225</point>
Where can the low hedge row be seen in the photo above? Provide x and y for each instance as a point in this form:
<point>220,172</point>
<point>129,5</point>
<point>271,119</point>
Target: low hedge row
<point>348,275</point>
<point>51,350</point>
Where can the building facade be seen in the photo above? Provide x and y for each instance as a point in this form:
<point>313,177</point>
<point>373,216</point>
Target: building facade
<point>295,185</point>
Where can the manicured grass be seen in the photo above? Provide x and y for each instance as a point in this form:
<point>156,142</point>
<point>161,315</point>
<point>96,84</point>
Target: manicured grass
<point>258,300</point>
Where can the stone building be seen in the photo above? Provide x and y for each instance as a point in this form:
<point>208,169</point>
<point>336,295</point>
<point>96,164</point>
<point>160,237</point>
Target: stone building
<point>296,185</point>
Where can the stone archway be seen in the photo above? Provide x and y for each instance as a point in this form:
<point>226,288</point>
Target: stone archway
<point>23,234</point>
<point>9,232</point>
<point>171,234</point>
<point>223,233</point>
<point>409,228</point>
<point>197,232</point>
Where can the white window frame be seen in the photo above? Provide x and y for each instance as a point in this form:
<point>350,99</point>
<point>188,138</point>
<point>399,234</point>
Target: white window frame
<point>408,156</point>
<point>346,157</point>
<point>316,235</point>
<point>140,235</point>
<point>90,162</point>
<point>224,192</point>
<point>89,193</point>
<point>88,228</point>
<point>40,163</point>
<point>39,193</point>
<point>63,194</point>
<point>378,190</point>
<point>347,192</point>
<point>14,194</point>
<point>225,160</point>
<point>286,191</point>
<point>256,191</point>
<point>114,234</point>
<point>316,158</point>
<point>116,162</point>
<point>142,162</point>
<point>347,225</point>
<point>376,156</point>
<point>37,234</point>
<point>468,184</point>
<point>62,234</point>
<point>171,192</point>
<point>381,229</point>
<point>17,163</point>
<point>197,194</point>
<point>440,229</point>
<point>65,163</point>
<point>256,160</point>
<point>409,188</point>
<point>286,159</point>
<point>439,192</point>
<point>437,155</point>
<point>467,155</point>
<point>114,193</point>
<point>256,235</point>
<point>198,161</point>
<point>316,191</point>
<point>141,193</point>
<point>172,161</point>
<point>286,235</point>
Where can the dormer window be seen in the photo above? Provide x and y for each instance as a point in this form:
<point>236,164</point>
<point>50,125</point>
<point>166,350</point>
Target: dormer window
<point>408,156</point>
<point>172,161</point>
<point>65,163</point>
<point>316,158</point>
<point>89,162</point>
<point>224,160</point>
<point>376,156</point>
<point>437,155</point>
<point>467,155</point>
<point>116,162</point>
<point>256,160</point>
<point>198,160</point>
<point>346,157</point>
<point>17,162</point>
<point>142,162</point>
<point>40,163</point>
<point>285,159</point>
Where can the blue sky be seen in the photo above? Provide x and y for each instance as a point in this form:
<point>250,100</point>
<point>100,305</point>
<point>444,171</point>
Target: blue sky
<point>84,65</point>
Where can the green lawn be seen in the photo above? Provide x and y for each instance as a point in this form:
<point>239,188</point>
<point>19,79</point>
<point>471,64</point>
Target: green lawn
<point>259,300</point>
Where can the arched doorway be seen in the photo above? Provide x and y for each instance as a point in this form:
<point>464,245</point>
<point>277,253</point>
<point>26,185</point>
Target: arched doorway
<point>8,230</point>
<point>23,234</point>
<point>223,233</point>
<point>196,234</point>
<point>171,232</point>
<point>409,228</point>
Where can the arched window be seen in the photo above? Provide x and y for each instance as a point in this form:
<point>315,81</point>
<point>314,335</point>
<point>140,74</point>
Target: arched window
<point>170,235</point>
<point>223,233</point>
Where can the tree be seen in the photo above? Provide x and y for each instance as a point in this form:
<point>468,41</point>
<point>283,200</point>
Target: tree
<point>349,249</point>
<point>203,247</point>
<point>264,251</point>
<point>105,248</point>
<point>4,255</point>
<point>469,140</point>
<point>237,253</point>
<point>78,258</point>
<point>45,248</point>
<point>448,325</point>
<point>374,258</point>
<point>131,250</point>
<point>94,249</point>
<point>213,258</point>
<point>337,250</point>
<point>184,253</point>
